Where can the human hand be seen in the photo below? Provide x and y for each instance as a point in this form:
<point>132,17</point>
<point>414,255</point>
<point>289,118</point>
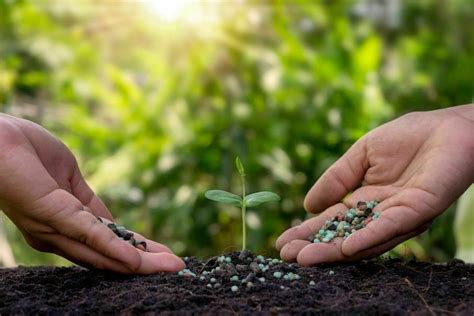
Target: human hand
<point>416,166</point>
<point>44,194</point>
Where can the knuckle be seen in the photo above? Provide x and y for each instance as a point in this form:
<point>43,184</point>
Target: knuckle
<point>335,174</point>
<point>134,269</point>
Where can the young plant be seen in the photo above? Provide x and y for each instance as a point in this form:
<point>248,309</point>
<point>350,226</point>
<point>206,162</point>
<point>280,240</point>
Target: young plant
<point>244,201</point>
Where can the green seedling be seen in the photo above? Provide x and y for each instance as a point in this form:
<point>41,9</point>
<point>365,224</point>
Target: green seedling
<point>244,201</point>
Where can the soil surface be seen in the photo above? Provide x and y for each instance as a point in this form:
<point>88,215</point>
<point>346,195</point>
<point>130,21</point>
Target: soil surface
<point>389,287</point>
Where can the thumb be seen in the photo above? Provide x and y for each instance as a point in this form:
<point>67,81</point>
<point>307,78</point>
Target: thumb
<point>340,179</point>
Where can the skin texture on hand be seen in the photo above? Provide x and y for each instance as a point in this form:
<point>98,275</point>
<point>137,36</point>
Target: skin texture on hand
<point>417,166</point>
<point>43,192</point>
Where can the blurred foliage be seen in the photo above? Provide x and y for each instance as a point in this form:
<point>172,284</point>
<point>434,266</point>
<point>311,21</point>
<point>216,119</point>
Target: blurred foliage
<point>156,107</point>
<point>463,226</point>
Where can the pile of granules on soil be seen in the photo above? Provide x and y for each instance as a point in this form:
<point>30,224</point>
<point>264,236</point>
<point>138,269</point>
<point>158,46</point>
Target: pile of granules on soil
<point>389,287</point>
<point>241,269</point>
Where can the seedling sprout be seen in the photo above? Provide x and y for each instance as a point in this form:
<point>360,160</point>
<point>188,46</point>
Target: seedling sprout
<point>244,201</point>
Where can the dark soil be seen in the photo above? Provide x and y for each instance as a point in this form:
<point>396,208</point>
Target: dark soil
<point>389,287</point>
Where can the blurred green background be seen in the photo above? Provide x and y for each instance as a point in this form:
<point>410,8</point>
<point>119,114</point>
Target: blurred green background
<point>156,98</point>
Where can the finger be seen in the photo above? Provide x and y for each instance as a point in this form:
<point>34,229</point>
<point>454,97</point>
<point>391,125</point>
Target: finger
<point>290,251</point>
<point>340,179</point>
<point>321,253</point>
<point>35,243</point>
<point>392,222</point>
<point>422,202</point>
<point>45,245</point>
<point>308,227</point>
<point>163,261</point>
<point>380,249</point>
<point>82,191</point>
<point>152,246</point>
<point>328,253</point>
<point>85,256</point>
<point>82,255</point>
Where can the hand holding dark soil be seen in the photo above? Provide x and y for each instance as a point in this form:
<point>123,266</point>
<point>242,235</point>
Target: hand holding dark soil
<point>44,194</point>
<point>416,166</point>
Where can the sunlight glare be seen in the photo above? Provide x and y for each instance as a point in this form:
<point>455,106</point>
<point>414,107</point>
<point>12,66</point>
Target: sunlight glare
<point>173,10</point>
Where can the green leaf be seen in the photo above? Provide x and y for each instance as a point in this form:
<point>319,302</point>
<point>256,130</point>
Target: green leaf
<point>240,166</point>
<point>258,198</point>
<point>224,197</point>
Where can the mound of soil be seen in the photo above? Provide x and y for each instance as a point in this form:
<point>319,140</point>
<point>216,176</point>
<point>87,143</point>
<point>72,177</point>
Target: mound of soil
<point>367,287</point>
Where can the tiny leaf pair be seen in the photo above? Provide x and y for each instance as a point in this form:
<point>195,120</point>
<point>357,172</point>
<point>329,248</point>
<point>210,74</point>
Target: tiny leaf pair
<point>243,201</point>
<point>224,197</point>
<point>251,200</point>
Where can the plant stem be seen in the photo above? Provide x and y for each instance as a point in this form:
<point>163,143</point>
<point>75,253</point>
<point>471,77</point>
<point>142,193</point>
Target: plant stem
<point>244,211</point>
